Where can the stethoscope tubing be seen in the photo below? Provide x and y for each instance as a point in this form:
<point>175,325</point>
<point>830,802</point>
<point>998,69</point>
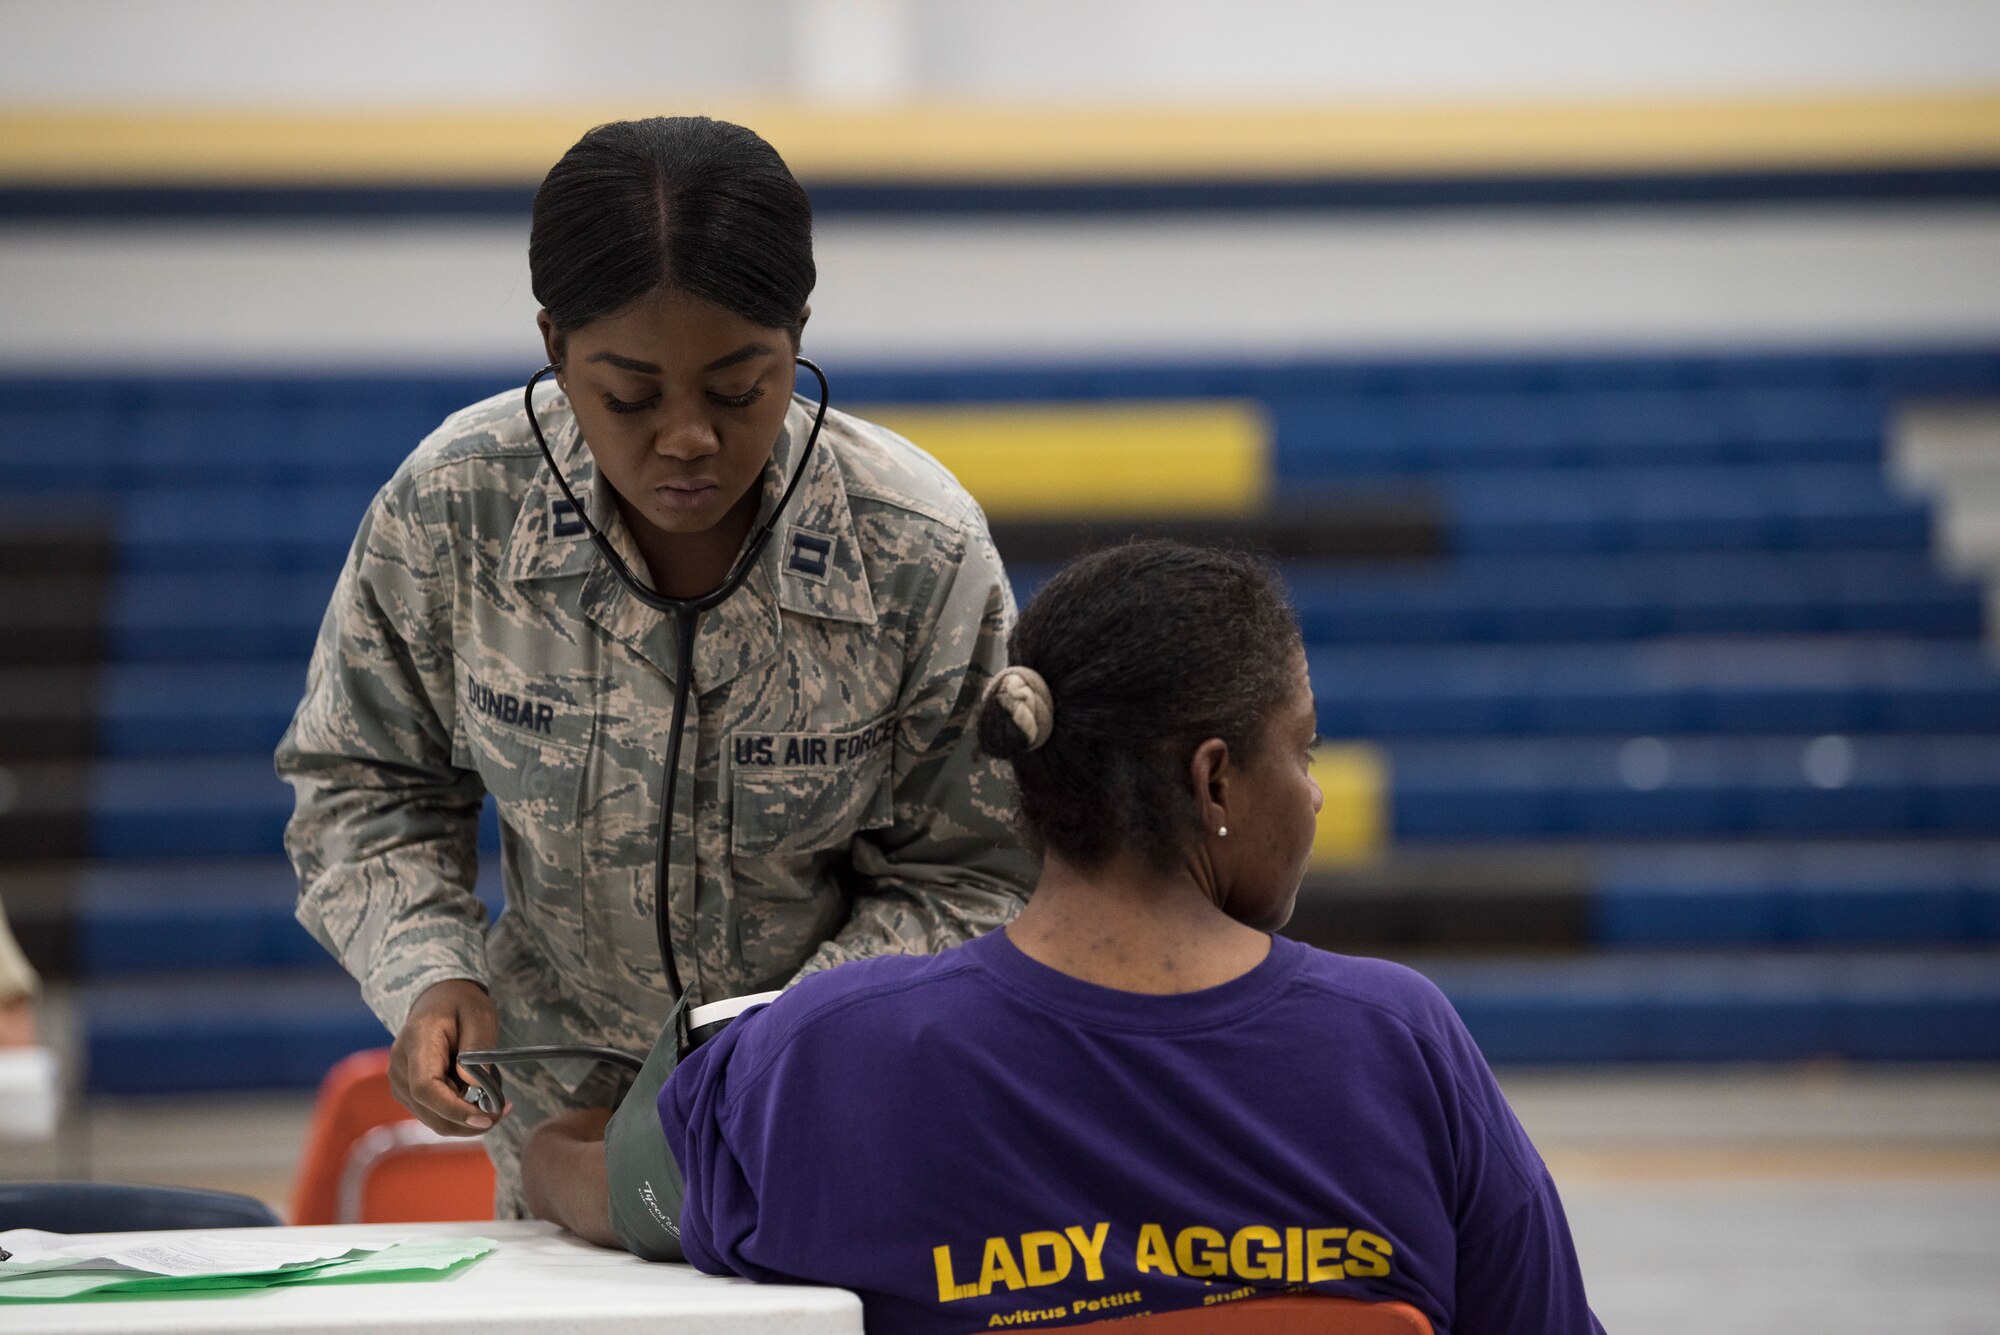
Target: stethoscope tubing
<point>687,613</point>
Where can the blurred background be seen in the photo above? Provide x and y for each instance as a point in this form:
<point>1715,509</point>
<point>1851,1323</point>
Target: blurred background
<point>1619,385</point>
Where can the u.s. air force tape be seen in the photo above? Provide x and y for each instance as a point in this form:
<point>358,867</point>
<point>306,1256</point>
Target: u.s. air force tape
<point>645,1182</point>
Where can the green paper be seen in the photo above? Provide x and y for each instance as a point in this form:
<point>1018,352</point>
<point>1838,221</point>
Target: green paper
<point>418,1259</point>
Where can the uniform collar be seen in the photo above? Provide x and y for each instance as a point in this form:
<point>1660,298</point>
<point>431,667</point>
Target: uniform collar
<point>812,560</point>
<point>815,554</point>
<point>547,542</point>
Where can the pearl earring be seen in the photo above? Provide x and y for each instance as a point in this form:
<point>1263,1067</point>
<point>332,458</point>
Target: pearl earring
<point>1223,832</point>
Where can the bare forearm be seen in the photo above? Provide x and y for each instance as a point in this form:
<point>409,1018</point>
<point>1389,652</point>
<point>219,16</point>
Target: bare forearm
<point>562,1174</point>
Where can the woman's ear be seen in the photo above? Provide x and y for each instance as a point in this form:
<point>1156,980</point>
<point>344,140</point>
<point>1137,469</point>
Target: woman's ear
<point>799,327</point>
<point>1212,776</point>
<point>552,339</point>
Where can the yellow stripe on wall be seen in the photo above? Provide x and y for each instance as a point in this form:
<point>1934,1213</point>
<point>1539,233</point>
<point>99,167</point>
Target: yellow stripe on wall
<point>1354,817</point>
<point>1052,460</point>
<point>968,143</point>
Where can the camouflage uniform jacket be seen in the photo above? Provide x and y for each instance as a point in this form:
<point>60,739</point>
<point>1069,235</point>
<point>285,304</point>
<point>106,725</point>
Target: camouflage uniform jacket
<point>831,803</point>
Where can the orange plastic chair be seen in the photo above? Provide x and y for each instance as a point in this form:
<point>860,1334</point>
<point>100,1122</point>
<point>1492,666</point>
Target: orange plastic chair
<point>1287,1314</point>
<point>367,1161</point>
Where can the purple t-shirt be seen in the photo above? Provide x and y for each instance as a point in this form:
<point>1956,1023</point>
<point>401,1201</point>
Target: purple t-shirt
<point>973,1140</point>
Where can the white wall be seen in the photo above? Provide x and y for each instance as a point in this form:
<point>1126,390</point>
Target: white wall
<point>266,53</point>
<point>593,52</point>
<point>1449,48</point>
<point>1094,290</point>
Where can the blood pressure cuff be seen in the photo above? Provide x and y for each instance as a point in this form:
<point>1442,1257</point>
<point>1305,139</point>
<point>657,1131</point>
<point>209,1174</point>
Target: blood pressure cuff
<point>645,1181</point>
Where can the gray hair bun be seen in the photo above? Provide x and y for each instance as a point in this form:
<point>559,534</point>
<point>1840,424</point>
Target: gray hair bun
<point>1021,693</point>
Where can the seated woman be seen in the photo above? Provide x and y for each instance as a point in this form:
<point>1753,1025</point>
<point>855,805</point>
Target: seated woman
<point>1134,1098</point>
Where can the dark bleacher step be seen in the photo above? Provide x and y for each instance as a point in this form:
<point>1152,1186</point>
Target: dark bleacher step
<point>69,538</point>
<point>40,899</point>
<point>45,811</point>
<point>1427,899</point>
<point>48,713</point>
<point>55,570</point>
<point>53,619</point>
<point>1333,527</point>
<point>1912,1006</point>
<point>283,1030</point>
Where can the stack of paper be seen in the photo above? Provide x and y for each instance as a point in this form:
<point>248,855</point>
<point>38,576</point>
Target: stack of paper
<point>45,1266</point>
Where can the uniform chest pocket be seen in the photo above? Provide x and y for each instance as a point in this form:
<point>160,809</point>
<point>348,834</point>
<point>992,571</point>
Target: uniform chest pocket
<point>837,785</point>
<point>531,756</point>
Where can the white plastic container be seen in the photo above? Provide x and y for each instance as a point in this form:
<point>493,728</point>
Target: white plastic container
<point>30,1094</point>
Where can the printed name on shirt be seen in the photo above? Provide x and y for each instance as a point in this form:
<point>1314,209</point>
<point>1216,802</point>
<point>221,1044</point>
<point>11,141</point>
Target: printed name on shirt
<point>805,749</point>
<point>1294,1255</point>
<point>511,709</point>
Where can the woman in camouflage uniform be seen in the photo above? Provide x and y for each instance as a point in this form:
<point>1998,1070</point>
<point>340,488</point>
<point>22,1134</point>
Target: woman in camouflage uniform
<point>830,803</point>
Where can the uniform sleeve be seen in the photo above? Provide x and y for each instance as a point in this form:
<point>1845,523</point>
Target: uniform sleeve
<point>384,831</point>
<point>950,865</point>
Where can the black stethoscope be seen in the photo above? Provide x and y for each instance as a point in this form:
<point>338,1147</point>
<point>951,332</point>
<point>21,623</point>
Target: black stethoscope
<point>686,613</point>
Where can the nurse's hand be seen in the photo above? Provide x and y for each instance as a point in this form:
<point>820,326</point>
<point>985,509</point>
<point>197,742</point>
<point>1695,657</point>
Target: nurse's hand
<point>449,1018</point>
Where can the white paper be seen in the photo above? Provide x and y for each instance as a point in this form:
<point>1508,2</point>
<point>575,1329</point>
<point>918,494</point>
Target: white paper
<point>183,1253</point>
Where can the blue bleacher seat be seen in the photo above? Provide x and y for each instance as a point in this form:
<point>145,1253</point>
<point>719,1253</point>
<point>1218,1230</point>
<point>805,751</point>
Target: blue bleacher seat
<point>1807,685</point>
<point>1918,1006</point>
<point>1778,894</point>
<point>1573,788</point>
<point>153,917</point>
<point>1322,437</point>
<point>200,807</point>
<point>1635,595</point>
<point>224,806</point>
<point>201,1032</point>
<point>1668,509</point>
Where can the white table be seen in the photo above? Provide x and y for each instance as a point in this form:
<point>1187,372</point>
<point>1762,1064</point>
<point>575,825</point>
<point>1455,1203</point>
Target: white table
<point>539,1279</point>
